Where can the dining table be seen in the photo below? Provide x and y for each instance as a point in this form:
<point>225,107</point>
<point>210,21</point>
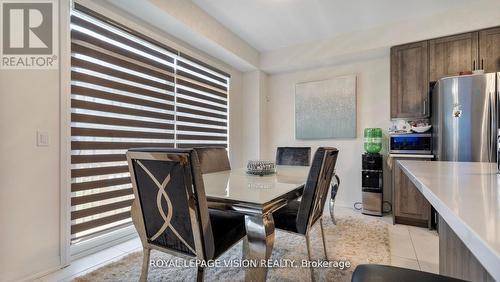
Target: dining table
<point>256,197</point>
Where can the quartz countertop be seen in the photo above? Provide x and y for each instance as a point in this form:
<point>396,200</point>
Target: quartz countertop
<point>467,197</point>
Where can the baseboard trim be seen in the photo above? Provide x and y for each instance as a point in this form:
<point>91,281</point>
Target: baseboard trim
<point>411,221</point>
<point>36,275</point>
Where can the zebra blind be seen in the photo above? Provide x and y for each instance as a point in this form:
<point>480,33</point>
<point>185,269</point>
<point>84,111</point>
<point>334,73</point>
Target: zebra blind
<point>201,104</point>
<point>128,92</point>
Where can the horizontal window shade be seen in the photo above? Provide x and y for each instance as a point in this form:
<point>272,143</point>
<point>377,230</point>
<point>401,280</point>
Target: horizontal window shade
<point>76,228</point>
<point>199,121</point>
<point>200,129</point>
<point>202,97</point>
<point>82,49</point>
<point>115,145</point>
<point>201,144</point>
<point>94,80</point>
<point>109,96</point>
<point>88,185</point>
<point>100,196</point>
<point>128,110</point>
<point>118,121</point>
<point>102,229</point>
<point>203,67</point>
<point>128,91</point>
<point>114,72</point>
<point>119,133</point>
<point>204,88</point>
<point>123,96</point>
<point>100,209</point>
<point>118,46</point>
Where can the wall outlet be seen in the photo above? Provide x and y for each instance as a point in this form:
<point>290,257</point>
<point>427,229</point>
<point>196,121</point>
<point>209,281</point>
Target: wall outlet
<point>42,138</point>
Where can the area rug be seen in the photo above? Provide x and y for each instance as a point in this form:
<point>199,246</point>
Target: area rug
<point>356,238</point>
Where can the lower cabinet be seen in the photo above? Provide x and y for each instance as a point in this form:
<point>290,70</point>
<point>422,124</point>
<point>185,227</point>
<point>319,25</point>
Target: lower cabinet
<point>409,205</point>
<point>455,258</point>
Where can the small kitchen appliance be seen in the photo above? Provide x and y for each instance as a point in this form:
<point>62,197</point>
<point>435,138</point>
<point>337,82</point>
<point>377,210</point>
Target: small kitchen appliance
<point>413,143</point>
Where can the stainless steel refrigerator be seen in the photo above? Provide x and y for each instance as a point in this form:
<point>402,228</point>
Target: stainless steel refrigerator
<point>465,118</point>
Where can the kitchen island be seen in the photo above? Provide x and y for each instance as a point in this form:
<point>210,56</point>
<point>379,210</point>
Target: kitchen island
<point>467,197</point>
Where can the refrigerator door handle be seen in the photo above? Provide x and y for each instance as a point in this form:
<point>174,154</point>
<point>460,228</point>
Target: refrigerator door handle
<point>492,127</point>
<point>425,107</point>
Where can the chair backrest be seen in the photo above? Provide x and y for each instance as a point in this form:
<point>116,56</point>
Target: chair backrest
<point>316,188</point>
<point>170,197</point>
<point>299,156</point>
<point>213,159</point>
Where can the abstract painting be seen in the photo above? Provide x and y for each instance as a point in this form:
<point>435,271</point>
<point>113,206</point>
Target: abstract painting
<point>326,109</point>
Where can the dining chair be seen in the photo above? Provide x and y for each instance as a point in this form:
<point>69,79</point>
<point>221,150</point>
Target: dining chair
<point>298,217</point>
<point>170,209</point>
<point>376,273</point>
<point>333,194</point>
<point>298,156</point>
<point>213,159</point>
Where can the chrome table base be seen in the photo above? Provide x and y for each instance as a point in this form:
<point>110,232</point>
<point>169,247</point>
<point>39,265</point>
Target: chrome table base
<point>260,238</point>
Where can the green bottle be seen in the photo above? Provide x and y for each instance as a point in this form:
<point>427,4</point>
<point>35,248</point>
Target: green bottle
<point>373,140</point>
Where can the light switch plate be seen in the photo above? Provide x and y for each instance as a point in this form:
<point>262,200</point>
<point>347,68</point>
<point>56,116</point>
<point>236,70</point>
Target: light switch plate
<point>42,138</point>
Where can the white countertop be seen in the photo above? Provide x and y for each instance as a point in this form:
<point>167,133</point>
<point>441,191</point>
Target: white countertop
<point>467,196</point>
<point>411,156</point>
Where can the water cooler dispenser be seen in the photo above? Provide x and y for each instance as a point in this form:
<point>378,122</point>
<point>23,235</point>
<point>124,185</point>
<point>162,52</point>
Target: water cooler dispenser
<point>372,183</point>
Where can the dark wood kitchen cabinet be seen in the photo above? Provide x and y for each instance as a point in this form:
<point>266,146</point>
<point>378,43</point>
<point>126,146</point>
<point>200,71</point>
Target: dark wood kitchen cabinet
<point>410,80</point>
<point>450,55</point>
<point>415,66</point>
<point>489,49</point>
<point>409,205</point>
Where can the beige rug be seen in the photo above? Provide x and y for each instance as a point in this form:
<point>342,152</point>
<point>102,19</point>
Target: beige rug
<point>356,238</point>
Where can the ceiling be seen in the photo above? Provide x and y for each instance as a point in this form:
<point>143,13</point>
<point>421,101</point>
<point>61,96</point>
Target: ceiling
<point>273,24</point>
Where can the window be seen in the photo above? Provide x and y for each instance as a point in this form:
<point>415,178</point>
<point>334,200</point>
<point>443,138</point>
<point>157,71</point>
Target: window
<point>130,91</point>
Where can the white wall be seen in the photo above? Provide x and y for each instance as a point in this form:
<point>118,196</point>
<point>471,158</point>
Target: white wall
<point>30,187</point>
<point>29,175</point>
<point>372,111</point>
<point>254,93</point>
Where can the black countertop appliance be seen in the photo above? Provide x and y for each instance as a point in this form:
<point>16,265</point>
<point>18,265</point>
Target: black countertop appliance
<point>372,184</point>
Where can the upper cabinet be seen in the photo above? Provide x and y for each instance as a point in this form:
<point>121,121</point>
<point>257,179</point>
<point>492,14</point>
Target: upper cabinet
<point>489,49</point>
<point>450,55</point>
<point>414,66</point>
<point>410,80</point>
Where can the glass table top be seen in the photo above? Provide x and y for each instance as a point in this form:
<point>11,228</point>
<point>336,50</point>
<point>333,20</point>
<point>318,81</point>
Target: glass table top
<point>236,185</point>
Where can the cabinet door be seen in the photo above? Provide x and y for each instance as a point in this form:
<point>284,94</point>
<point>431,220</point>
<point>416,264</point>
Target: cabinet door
<point>410,80</point>
<point>408,202</point>
<point>450,55</point>
<point>489,49</point>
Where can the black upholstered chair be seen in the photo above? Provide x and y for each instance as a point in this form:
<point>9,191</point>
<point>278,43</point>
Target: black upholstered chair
<point>213,159</point>
<point>385,273</point>
<point>299,216</point>
<point>170,210</point>
<point>299,156</point>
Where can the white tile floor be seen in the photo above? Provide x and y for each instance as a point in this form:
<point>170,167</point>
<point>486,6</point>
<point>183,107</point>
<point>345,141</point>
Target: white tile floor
<point>411,247</point>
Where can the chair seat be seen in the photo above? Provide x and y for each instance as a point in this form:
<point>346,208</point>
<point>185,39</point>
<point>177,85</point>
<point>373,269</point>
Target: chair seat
<point>286,217</point>
<point>384,273</point>
<point>228,228</point>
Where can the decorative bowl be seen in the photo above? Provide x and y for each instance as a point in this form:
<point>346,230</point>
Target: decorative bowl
<point>261,167</point>
<point>421,129</point>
